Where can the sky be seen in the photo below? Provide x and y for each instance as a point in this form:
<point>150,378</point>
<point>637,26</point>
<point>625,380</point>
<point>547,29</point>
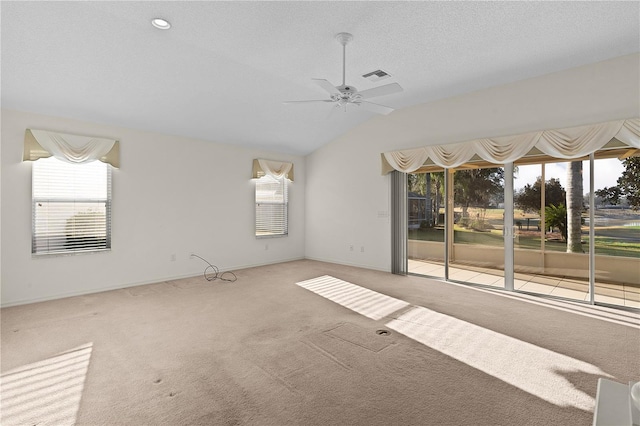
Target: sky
<point>607,172</point>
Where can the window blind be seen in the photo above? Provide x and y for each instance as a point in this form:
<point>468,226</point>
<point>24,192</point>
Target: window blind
<point>271,207</point>
<point>71,207</point>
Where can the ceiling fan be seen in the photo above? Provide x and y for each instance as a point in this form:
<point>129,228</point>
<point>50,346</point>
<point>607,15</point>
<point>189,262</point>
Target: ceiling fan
<point>345,94</point>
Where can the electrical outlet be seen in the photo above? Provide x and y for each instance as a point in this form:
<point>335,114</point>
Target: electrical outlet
<point>361,249</point>
<point>173,257</point>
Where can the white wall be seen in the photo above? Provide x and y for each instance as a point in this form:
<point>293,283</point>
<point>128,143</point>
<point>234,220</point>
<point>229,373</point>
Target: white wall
<point>345,191</point>
<point>171,195</point>
<point>177,195</point>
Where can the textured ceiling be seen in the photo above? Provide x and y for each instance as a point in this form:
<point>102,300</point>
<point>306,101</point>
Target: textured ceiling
<point>224,68</point>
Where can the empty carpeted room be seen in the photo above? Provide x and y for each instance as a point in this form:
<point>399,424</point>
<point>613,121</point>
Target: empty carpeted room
<point>320,213</point>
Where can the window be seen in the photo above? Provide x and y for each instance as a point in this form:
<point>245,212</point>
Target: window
<point>71,207</point>
<point>271,207</point>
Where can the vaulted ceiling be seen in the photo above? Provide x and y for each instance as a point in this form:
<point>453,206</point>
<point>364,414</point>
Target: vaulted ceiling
<point>223,70</point>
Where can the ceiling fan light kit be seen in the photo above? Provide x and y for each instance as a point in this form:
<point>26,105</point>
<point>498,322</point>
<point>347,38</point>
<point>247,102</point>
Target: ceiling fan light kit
<point>345,94</point>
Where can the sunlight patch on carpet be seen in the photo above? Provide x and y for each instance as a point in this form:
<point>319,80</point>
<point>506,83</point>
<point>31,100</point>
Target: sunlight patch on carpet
<point>366,302</point>
<point>533,369</point>
<point>46,392</point>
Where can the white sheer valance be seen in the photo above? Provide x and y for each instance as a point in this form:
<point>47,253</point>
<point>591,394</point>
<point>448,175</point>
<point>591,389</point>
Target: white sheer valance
<point>276,169</point>
<point>505,149</point>
<point>70,148</point>
<point>409,160</point>
<point>451,155</point>
<point>577,141</point>
<point>569,143</point>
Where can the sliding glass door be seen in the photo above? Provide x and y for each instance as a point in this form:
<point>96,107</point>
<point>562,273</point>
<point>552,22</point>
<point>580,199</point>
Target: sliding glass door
<point>477,252</point>
<point>553,217</point>
<point>617,231</point>
<point>426,223</point>
<point>529,226</point>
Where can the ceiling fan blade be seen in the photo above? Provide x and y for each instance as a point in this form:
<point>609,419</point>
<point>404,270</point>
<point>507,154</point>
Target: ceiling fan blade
<point>312,100</point>
<point>387,89</point>
<point>377,108</point>
<point>327,86</point>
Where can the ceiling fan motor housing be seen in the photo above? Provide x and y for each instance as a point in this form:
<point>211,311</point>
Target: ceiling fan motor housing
<point>347,93</point>
<point>345,88</point>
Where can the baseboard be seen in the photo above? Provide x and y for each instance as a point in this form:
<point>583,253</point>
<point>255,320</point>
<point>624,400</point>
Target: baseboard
<point>137,283</point>
<point>255,265</point>
<point>356,265</point>
<point>92,291</point>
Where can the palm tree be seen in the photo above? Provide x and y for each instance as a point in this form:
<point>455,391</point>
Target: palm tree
<point>556,217</point>
<point>574,207</point>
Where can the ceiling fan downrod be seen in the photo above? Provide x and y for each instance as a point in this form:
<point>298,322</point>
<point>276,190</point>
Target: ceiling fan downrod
<point>343,39</point>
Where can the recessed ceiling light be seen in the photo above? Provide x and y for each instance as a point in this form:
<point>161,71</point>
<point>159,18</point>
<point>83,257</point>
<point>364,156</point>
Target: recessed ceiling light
<point>160,23</point>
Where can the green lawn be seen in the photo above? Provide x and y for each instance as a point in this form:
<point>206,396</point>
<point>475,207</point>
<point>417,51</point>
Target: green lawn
<point>617,242</point>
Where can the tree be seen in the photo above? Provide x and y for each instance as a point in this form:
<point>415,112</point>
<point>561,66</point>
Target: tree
<point>609,196</point>
<point>629,182</point>
<point>438,178</point>
<point>477,187</point>
<point>428,185</point>
<point>528,198</point>
<point>556,216</point>
<point>574,207</point>
<point>427,200</point>
<point>416,183</point>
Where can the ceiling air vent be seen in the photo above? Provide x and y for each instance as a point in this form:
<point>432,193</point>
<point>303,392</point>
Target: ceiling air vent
<point>376,75</point>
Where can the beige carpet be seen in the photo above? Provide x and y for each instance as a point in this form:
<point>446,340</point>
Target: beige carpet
<point>285,346</point>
